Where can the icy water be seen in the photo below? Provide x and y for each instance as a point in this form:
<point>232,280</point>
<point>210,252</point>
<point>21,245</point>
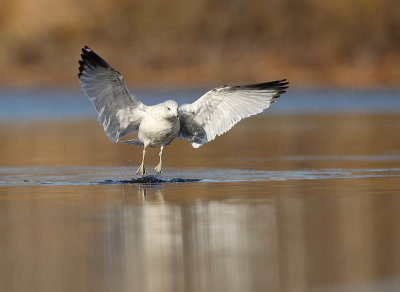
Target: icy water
<point>303,198</point>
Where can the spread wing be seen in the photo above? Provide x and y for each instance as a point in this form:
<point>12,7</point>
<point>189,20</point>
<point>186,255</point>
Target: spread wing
<point>119,111</point>
<point>217,111</point>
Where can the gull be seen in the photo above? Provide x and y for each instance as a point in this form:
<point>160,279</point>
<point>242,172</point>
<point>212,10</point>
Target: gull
<point>121,113</point>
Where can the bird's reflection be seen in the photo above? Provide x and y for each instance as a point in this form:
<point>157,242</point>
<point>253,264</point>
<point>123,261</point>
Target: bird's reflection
<point>145,192</point>
<point>151,192</point>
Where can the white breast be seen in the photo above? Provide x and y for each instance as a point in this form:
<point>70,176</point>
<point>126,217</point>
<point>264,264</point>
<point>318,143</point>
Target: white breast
<point>158,132</point>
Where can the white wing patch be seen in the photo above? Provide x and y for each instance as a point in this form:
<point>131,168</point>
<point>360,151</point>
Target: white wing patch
<point>123,116</point>
<point>128,116</point>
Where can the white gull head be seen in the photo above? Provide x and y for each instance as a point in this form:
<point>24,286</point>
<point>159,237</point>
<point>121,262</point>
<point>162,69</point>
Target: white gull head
<point>167,110</point>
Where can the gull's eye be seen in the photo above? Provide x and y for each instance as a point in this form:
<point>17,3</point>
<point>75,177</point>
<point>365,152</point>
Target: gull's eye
<point>168,108</point>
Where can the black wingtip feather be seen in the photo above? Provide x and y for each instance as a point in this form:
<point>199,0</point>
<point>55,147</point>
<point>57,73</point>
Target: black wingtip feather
<point>90,59</point>
<point>279,85</point>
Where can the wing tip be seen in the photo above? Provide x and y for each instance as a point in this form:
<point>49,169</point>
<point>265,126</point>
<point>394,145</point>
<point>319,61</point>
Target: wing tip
<point>89,59</point>
<point>86,49</point>
<point>279,85</point>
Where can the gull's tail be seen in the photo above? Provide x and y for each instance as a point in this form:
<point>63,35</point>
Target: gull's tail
<point>135,142</point>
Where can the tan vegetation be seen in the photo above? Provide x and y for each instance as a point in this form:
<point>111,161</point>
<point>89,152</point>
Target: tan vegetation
<point>177,42</point>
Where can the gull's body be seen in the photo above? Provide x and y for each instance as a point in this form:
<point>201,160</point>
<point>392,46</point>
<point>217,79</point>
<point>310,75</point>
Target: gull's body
<point>160,126</point>
<point>158,129</point>
<point>211,115</point>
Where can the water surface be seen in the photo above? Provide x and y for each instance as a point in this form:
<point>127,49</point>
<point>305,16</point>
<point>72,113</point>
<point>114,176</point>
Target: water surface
<point>283,202</point>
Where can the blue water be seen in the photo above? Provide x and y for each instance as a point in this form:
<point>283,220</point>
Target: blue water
<point>70,104</point>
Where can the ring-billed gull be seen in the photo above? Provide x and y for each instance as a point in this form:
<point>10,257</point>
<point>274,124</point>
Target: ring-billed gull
<point>213,114</point>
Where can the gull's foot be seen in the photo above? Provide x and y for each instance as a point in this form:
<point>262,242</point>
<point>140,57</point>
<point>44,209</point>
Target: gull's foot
<point>141,170</point>
<point>158,168</point>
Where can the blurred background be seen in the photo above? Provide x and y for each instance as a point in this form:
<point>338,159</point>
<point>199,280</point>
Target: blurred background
<point>346,43</point>
<point>302,198</point>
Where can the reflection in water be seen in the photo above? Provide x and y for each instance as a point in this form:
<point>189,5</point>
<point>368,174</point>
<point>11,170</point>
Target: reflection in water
<point>335,232</point>
<point>150,192</point>
<point>279,236</point>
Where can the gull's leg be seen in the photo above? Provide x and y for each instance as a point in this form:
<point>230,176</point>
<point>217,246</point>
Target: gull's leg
<point>141,170</point>
<point>158,168</point>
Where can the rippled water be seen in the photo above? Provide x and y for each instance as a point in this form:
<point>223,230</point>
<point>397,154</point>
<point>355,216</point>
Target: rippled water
<point>283,202</point>
<point>75,176</point>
